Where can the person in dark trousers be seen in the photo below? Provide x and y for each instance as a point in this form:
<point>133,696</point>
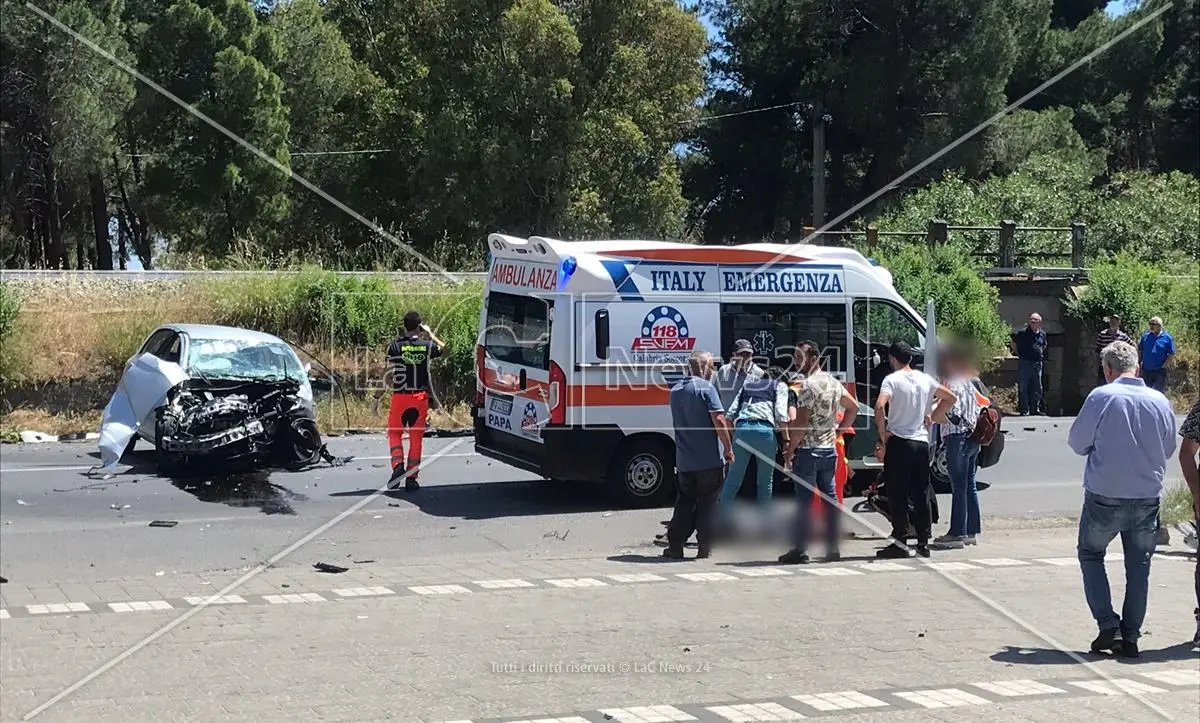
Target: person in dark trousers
<point>908,401</point>
<point>1126,430</point>
<point>1030,346</point>
<point>409,357</point>
<point>1155,350</point>
<point>701,432</point>
<point>1189,447</point>
<point>1111,333</point>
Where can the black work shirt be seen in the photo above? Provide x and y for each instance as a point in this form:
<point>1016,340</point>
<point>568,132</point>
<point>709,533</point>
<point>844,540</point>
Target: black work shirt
<point>1031,345</point>
<point>409,357</point>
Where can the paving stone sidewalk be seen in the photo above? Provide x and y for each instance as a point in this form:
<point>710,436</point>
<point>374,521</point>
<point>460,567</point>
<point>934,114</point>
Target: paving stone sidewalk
<point>719,639</point>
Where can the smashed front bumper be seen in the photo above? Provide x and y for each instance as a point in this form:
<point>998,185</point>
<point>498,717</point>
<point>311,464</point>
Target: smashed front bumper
<point>210,443</point>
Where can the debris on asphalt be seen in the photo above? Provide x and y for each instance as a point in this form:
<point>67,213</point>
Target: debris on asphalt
<point>326,567</point>
<point>34,437</point>
<point>284,585</point>
<point>23,503</point>
<point>363,562</point>
<point>607,514</point>
<point>687,650</point>
<point>393,504</point>
<point>160,573</point>
<point>1030,429</point>
<point>164,523</point>
<point>3,579</point>
<point>377,517</point>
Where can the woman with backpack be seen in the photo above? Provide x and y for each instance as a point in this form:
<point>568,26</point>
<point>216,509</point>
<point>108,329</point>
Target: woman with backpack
<point>962,451</point>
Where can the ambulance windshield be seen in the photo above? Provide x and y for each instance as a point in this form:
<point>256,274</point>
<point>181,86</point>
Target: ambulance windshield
<point>518,330</point>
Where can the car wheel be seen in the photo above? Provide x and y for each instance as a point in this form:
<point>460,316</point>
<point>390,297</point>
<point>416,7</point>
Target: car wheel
<point>939,472</point>
<point>130,447</point>
<point>643,473</point>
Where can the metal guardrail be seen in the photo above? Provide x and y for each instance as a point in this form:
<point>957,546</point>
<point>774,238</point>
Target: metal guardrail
<point>149,276</point>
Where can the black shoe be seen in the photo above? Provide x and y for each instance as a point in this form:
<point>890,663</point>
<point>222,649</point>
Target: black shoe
<point>832,556</point>
<point>1127,649</point>
<point>922,550</point>
<point>396,478</point>
<point>1108,640</point>
<point>793,557</point>
<point>411,485</point>
<point>893,551</point>
<point>673,553</point>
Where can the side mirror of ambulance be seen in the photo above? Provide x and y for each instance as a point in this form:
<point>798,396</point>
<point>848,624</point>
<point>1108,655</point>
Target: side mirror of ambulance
<point>523,380</point>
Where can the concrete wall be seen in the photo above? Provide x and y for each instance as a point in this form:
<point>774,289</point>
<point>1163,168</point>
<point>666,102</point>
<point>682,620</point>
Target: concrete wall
<point>1070,370</point>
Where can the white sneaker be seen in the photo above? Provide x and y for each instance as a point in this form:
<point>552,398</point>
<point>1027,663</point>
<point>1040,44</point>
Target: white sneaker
<point>970,540</point>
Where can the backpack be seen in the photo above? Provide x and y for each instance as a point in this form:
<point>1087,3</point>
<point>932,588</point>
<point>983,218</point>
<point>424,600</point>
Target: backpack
<point>986,427</point>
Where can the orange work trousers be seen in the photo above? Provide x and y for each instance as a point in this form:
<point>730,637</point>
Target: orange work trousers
<point>408,413</point>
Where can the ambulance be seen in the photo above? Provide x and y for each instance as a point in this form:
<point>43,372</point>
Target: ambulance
<point>580,342</point>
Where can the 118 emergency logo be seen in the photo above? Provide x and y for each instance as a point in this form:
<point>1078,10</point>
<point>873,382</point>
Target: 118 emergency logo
<point>664,330</point>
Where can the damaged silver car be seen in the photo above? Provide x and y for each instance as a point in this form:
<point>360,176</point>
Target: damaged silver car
<point>207,394</point>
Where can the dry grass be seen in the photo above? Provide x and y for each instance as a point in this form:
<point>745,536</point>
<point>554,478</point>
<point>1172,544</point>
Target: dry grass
<point>331,418</point>
<point>1177,505</point>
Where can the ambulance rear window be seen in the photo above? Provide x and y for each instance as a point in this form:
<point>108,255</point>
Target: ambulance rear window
<point>518,330</point>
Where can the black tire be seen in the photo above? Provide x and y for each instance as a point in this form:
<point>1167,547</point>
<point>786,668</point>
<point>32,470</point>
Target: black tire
<point>939,473</point>
<point>643,473</point>
<point>168,464</point>
<point>130,447</point>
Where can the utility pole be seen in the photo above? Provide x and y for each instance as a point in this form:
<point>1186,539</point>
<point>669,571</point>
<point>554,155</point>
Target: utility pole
<point>818,165</point>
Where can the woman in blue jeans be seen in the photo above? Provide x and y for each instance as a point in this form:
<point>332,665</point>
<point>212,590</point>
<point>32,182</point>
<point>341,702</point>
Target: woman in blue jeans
<point>962,455</point>
<point>757,411</point>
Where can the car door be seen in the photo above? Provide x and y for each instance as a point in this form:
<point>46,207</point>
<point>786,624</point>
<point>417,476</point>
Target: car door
<point>142,389</point>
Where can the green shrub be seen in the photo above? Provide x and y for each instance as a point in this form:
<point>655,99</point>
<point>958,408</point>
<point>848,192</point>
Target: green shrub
<point>1137,291</point>
<point>966,304</point>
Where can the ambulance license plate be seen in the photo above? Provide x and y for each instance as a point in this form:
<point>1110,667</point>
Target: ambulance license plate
<point>501,405</point>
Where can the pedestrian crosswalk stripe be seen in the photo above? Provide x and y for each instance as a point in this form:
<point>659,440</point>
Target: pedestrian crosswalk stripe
<point>1175,677</point>
<point>845,700</point>
<point>1059,561</point>
<point>363,591</point>
<point>1116,686</point>
<point>4,614</point>
<point>577,582</point>
<point>215,600</point>
<point>58,608</point>
<point>298,597</point>
<point>1000,562</point>
<point>943,698</point>
<point>647,714</point>
<point>138,606</point>
<point>832,571</point>
<point>1018,688</point>
<point>568,719</point>
<point>884,566</point>
<point>748,712</point>
<point>762,571</point>
<point>439,589</point>
<point>950,566</point>
<point>637,577</point>
<point>706,576</point>
<point>503,584</point>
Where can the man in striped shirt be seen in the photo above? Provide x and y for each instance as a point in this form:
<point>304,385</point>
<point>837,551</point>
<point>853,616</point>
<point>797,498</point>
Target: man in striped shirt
<point>1111,333</point>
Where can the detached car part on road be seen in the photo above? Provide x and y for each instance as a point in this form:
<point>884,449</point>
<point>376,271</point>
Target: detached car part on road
<point>205,394</point>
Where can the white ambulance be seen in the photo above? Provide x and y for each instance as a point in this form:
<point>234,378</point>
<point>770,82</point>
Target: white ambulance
<point>580,342</point>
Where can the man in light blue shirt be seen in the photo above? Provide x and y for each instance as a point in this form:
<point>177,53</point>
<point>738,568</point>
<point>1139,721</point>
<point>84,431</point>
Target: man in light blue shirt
<point>1127,431</point>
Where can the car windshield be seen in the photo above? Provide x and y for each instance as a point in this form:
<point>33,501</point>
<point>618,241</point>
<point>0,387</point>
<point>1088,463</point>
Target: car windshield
<point>242,359</point>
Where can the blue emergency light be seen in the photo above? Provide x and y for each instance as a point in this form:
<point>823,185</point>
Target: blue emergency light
<point>566,269</point>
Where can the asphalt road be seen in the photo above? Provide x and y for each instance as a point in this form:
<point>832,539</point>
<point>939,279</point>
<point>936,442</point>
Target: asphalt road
<point>60,524</point>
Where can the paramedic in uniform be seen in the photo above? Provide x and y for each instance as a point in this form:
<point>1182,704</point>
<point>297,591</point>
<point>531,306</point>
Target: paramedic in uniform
<point>409,357</point>
<point>908,400</point>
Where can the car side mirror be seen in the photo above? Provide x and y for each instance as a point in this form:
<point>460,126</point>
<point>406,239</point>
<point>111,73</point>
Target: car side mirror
<point>321,384</point>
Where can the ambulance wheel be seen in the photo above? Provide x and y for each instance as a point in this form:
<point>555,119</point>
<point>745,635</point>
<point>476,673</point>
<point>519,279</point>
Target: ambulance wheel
<point>643,473</point>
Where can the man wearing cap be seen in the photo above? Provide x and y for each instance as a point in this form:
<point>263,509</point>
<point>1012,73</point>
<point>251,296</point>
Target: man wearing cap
<point>1155,351</point>
<point>1110,333</point>
<point>737,371</point>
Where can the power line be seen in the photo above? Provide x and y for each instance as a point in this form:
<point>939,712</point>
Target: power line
<point>748,112</point>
